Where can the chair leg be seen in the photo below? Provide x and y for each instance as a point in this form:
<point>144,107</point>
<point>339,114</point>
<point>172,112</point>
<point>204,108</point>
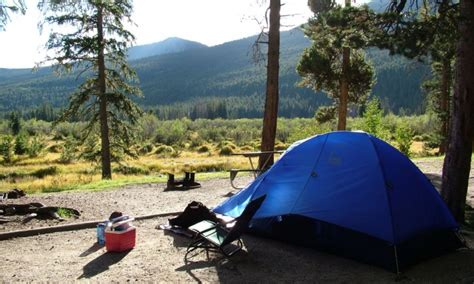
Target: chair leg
<point>234,251</point>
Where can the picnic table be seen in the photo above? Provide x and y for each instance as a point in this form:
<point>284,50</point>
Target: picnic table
<point>254,169</point>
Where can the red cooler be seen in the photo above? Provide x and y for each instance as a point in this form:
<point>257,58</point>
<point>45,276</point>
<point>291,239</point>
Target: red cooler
<point>118,241</point>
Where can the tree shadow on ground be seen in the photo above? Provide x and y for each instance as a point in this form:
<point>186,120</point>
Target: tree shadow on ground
<point>101,264</point>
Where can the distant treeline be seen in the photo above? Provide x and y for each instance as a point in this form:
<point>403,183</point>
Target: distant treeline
<point>219,81</point>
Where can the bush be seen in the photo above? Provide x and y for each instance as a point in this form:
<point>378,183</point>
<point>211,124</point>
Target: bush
<point>149,124</point>
<point>247,148</point>
<point>226,151</point>
<point>171,132</point>
<point>7,149</point>
<point>21,143</point>
<point>164,151</point>
<point>130,170</point>
<point>41,173</point>
<point>281,147</point>
<point>204,149</point>
<point>69,151</point>
<point>147,148</point>
<point>404,138</point>
<point>37,127</point>
<point>36,147</point>
<point>373,117</point>
<point>56,148</point>
<point>66,129</point>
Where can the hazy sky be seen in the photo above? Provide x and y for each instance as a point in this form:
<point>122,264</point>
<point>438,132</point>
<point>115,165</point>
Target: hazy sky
<point>210,22</point>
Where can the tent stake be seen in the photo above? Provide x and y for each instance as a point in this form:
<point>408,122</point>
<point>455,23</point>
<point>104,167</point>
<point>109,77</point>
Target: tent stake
<point>396,259</point>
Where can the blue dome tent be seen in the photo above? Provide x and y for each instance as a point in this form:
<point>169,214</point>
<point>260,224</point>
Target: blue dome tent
<point>351,194</point>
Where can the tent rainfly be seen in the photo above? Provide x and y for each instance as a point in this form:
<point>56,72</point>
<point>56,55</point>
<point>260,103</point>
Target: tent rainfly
<point>351,194</point>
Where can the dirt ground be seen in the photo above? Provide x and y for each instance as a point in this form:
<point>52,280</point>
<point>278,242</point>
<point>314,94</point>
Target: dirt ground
<point>159,256</point>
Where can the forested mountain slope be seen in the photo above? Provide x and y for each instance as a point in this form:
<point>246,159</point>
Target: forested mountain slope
<point>224,74</point>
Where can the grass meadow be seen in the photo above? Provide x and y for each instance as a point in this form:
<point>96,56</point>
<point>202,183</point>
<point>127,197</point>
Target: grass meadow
<point>202,146</point>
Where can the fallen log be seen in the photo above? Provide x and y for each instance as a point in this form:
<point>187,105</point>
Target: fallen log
<point>35,210</point>
<point>70,227</point>
<point>12,194</point>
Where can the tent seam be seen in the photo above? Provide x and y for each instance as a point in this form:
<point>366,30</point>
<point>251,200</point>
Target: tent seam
<point>311,175</point>
<point>389,200</point>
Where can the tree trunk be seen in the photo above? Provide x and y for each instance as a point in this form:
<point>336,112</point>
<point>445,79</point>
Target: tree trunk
<point>344,92</point>
<point>103,116</point>
<point>344,85</point>
<point>271,100</point>
<point>444,104</point>
<point>457,163</point>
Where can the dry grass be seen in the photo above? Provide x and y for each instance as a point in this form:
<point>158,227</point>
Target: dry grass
<point>23,174</point>
<point>47,174</point>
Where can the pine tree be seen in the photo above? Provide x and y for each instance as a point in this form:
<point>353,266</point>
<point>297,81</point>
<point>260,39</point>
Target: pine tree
<point>325,65</point>
<point>408,36</point>
<point>15,122</point>
<point>95,44</point>
<point>6,7</point>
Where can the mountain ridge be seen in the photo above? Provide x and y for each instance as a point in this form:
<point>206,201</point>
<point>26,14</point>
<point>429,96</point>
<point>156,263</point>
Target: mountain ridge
<point>169,45</point>
<point>224,73</point>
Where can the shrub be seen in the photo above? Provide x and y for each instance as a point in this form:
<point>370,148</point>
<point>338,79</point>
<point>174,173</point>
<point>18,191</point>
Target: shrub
<point>69,151</point>
<point>7,149</point>
<point>66,129</point>
<point>404,138</point>
<point>204,149</point>
<point>55,148</point>
<point>247,148</point>
<point>130,170</point>
<point>171,132</point>
<point>41,173</point>
<point>145,149</point>
<point>36,147</point>
<point>149,124</point>
<point>37,127</point>
<point>164,151</point>
<point>228,144</point>
<point>21,143</point>
<point>280,146</point>
<point>372,118</point>
<point>226,151</point>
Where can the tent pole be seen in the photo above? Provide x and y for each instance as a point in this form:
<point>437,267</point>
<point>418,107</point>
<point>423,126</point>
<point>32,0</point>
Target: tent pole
<point>396,259</point>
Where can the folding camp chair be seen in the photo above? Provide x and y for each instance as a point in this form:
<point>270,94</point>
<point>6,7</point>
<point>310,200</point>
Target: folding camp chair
<point>212,236</point>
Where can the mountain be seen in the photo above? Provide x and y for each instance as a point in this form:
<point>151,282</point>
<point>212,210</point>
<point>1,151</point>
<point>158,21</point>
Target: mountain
<point>169,45</point>
<point>180,83</point>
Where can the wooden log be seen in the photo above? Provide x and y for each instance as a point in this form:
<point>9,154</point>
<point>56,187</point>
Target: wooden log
<point>70,227</point>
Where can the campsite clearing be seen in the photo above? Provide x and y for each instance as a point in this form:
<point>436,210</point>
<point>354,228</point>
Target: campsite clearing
<point>158,256</point>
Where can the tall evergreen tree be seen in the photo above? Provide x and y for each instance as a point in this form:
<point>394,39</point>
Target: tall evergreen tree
<point>326,65</point>
<point>408,36</point>
<point>443,51</point>
<point>6,7</point>
<point>14,122</point>
<point>93,41</point>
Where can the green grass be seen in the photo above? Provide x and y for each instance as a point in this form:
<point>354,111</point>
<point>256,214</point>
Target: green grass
<point>65,213</point>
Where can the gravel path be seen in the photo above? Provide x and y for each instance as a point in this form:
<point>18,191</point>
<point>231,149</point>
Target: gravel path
<point>158,256</point>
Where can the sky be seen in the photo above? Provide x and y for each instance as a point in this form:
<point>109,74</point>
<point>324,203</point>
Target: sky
<point>210,22</point>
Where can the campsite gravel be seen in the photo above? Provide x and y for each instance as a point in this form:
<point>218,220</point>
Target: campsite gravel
<point>159,256</point>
